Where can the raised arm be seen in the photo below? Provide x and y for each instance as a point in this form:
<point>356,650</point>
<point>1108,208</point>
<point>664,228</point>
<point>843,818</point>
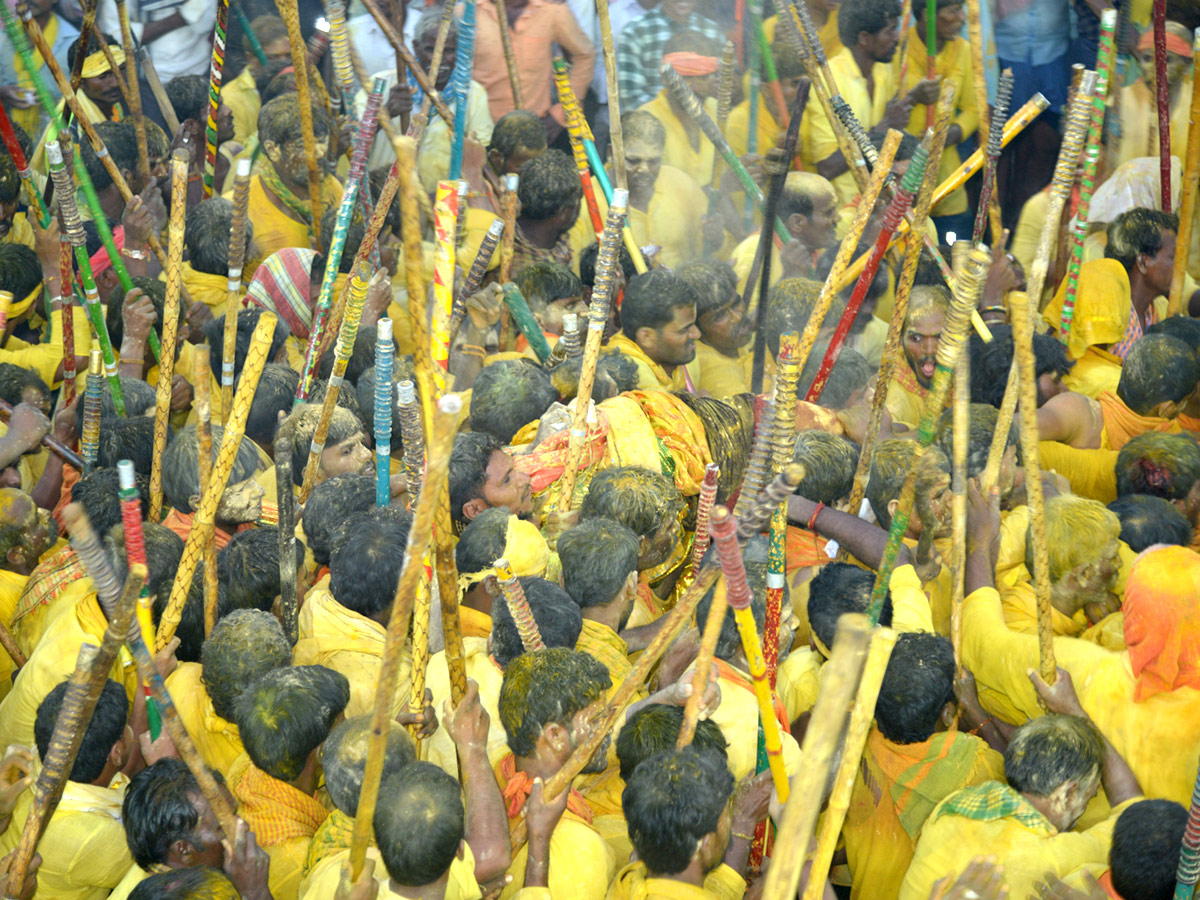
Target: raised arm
<point>861,538</point>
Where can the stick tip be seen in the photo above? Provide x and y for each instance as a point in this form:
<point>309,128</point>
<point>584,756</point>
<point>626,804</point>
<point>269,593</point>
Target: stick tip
<point>406,393</point>
<point>126,478</point>
<point>384,329</point>
<point>450,405</point>
<point>620,197</point>
<point>243,168</point>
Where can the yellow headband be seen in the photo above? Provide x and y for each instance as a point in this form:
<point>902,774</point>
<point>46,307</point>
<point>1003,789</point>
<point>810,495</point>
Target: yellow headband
<point>17,307</point>
<point>96,64</point>
<point>526,550</point>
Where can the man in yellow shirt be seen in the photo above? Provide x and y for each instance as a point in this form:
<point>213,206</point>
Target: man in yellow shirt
<point>284,717</point>
<point>922,330</point>
<point>658,330</point>
<point>770,128</point>
<point>240,92</point>
<point>913,760</point>
<point>279,207</point>
<point>206,235</point>
<point>725,329</point>
<point>482,476</point>
<point>244,645</point>
<point>695,57</point>
<point>26,532</point>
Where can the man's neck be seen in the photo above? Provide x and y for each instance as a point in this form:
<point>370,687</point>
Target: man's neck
<point>1040,803</point>
<point>669,369</point>
<point>435,890</point>
<point>44,18</point>
<point>692,875</point>
<point>641,201</point>
<point>608,616</point>
<point>1141,293</point>
<point>543,234</point>
<point>865,62</point>
<point>536,767</point>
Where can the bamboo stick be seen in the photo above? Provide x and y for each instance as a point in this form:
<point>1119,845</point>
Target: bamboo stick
<point>703,665</point>
<point>508,201</point>
<point>204,523</point>
<point>289,12</point>
<point>961,440</point>
<point>135,541</point>
<point>575,133</point>
<point>397,631</point>
<point>89,442</point>
<point>233,287</point>
<point>474,279</point>
<point>203,407</point>
<point>10,647</point>
<point>616,135</point>
<point>1164,103</point>
<point>1191,176</point>
<point>760,507</point>
<point>708,496</point>
<point>447,583</point>
<point>725,74</point>
<point>67,293</point>
<point>422,611</point>
<point>988,206</point>
<point>285,491</point>
<point>166,366</point>
<point>510,60</point>
<point>156,88</point>
<point>413,437</point>
<point>826,725</point>
<point>986,124</point>
<point>445,224</point>
<point>133,94</point>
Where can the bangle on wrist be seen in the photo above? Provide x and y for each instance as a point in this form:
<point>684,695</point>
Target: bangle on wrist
<point>742,835</point>
<point>472,350</point>
<point>130,253</point>
<point>812,520</point>
<point>132,360</point>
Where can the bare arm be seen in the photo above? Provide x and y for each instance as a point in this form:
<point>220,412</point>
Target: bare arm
<point>864,540</point>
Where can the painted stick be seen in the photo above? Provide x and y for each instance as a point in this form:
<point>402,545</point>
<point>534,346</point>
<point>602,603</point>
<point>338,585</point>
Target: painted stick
<point>703,665</point>
<point>49,441</point>
<point>115,68</point>
<point>762,253</point>
<point>987,200</point>
<point>447,583</point>
<point>166,367</point>
<point>572,339</point>
<point>1016,123</point>
<point>691,104</point>
<point>758,466</point>
<point>233,288</point>
<point>518,607</point>
<point>419,539</point>
<point>931,55</point>
<point>708,496</point>
<point>906,13</point>
<point>95,560</point>
<point>899,205</point>
<point>413,436</point>
<point>1164,103</point>
<point>882,642</point>
<point>508,238</point>
<point>616,133</point>
<point>987,126</point>
<point>760,507</point>
<point>725,75</point>
<point>67,292</point>
<point>339,45</point>
<point>285,491</point>
<point>156,88</point>
<point>405,55</point>
<point>1188,871</point>
<point>135,553</point>
<point>954,336</point>
<point>13,146</point>
<point>214,97</point>
<point>342,350</point>
<point>289,12</point>
<point>422,611</point>
<point>724,535</point>
<point>385,358</point>
<point>768,64</point>
<point>475,275</point>
<point>252,40</point>
<point>204,439</point>
<point>958,501</point>
<point>575,132</point>
<point>204,523</point>
<point>89,442</point>
<point>602,298</point>
<point>72,226</point>
<point>439,45</point>
<point>445,222</point>
<point>83,691</point>
<point>363,140</point>
<point>515,303</point>
<point>460,85</point>
<point>1191,175</point>
<point>788,374</point>
<point>133,90</point>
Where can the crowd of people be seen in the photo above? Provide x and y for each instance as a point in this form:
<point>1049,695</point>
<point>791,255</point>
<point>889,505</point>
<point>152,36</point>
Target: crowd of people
<point>978,778</point>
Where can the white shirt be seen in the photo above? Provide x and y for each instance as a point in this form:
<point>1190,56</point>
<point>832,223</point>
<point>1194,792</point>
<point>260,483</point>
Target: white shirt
<point>184,51</point>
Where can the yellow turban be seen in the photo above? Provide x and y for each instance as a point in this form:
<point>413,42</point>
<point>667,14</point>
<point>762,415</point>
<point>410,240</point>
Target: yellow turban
<point>96,64</point>
<point>526,550</point>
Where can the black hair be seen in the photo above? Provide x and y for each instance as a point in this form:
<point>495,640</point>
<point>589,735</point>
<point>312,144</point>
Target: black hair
<point>983,420</point>
<point>186,884</point>
<point>519,128</point>
<point>651,299</point>
<point>1144,855</point>
<point>275,393</point>
<point>587,264</point>
<point>164,550</point>
<point>1137,231</point>
<point>189,97</point>
<point>419,823</point>
<point>655,728</point>
<point>139,401</point>
<point>362,360</point>
<point>713,284</point>
<point>365,388</point>
<point>1183,327</point>
<point>917,685</point>
<point>243,646</point>
<point>597,556</point>
<point>1051,750</point>
<point>247,321</point>
<point>16,380</point>
<point>754,557</point>
<point>181,465</point>
<point>671,801</point>
<point>990,363</point>
<point>837,589</point>
<point>543,282</point>
<point>20,270</point>
<point>206,234</point>
<point>130,438</point>
<point>344,759</point>
<point>120,140</point>
<point>97,491</point>
<point>548,686</point>
<point>549,184</point>
<point>249,566</point>
<point>1158,369</point>
<point>1147,520</point>
<point>1162,465</point>
<point>850,373</point>
<point>279,120</point>
<point>641,500</point>
<point>105,728</point>
<point>556,615</point>
<point>367,557</point>
<point>468,468</point>
<point>158,809</point>
<point>508,395</point>
<point>871,16</point>
<point>285,715</point>
<point>482,541</point>
<point>331,502</point>
<point>829,462</point>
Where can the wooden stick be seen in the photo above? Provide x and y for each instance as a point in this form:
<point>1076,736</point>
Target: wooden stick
<point>508,201</point>
<point>285,491</point>
<point>447,582</point>
<point>602,297</point>
<point>166,366</point>
<point>1164,104</point>
<point>135,539</point>
<point>133,90</point>
<point>412,435</point>
<point>49,441</point>
<point>986,124</point>
<point>204,523</point>
<point>291,18</point>
<point>1191,176</point>
<point>385,358</point>
<point>233,288</point>
<point>708,496</point>
<point>958,501</point>
<point>882,642</point>
<point>445,225</point>
<point>988,206</point>
<point>615,132</point>
<point>9,643</point>
<point>703,671</point>
<point>759,508</point>
<point>419,538</point>
<point>475,276</point>
<point>404,55</point>
<point>439,47</point>
<point>89,441</point>
<point>156,88</point>
<point>510,60</point>
<point>422,611</point>
<point>827,724</point>
<point>203,407</point>
<point>518,606</point>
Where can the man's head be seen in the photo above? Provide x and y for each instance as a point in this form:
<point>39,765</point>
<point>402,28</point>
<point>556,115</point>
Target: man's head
<point>425,41</point>
<point>645,139</point>
<point>244,645</point>
<point>164,549</point>
<point>790,306</point>
<point>99,82</point>
<point>948,20</point>
<point>645,502</point>
<point>696,58</point>
<point>196,883</point>
<point>870,26</point>
<point>1162,465</point>
<point>991,362</point>
<point>720,316</point>
<point>1159,376</point>
<point>808,207</point>
<point>654,729</point>
<point>517,137</point>
<point>21,276</point>
<point>242,498</point>
<point>130,438</point>
<point>850,382</point>
<point>482,476</point>
<point>508,395</point>
<point>922,329</point>
<point>549,702</point>
<point>206,235</point>
<point>659,315</point>
<point>247,322</point>
<point>344,453</point>
<point>274,394</point>
<point>1081,536</point>
<point>982,420</point>
<point>829,462</point>
<point>552,291</point>
<point>26,532</point>
<point>367,557</point>
<point>496,533</point>
<point>676,807</point>
<point>287,714</point>
<point>329,505</point>
<point>599,565</point>
<point>1054,761</point>
<point>121,141</point>
<point>97,492</point>
<point>10,193</point>
<point>1179,54</point>
<point>729,644</point>
<point>840,588</point>
<point>889,467</point>
<point>189,98</point>
<point>419,824</point>
<point>344,759</point>
<point>1146,521</point>
<point>1144,855</point>
<point>1143,241</point>
<point>167,820</point>
<point>549,190</point>
<point>555,614</point>
<point>282,139</point>
<point>917,695</point>
<point>106,744</point>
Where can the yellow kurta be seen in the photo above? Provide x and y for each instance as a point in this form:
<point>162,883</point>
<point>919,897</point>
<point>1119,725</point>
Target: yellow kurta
<point>321,881</point>
<point>1139,122</point>
<point>672,219</point>
<point>696,161</point>
<point>581,863</point>
<point>797,681</point>
<point>19,232</point>
<point>11,585</point>
<point>46,358</point>
<point>651,376</point>
<point>952,63</point>
<point>722,376</point>
<point>218,741</point>
<point>831,40</point>
<point>632,883</point>
<point>1159,737</point>
<point>905,398</point>
<point>332,635</point>
<point>211,290</point>
<point>737,717</point>
<point>273,228</point>
<point>84,854</point>
<point>1029,850</point>
<point>241,96</point>
<point>1091,473</point>
<point>1094,373</point>
<point>481,668</point>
